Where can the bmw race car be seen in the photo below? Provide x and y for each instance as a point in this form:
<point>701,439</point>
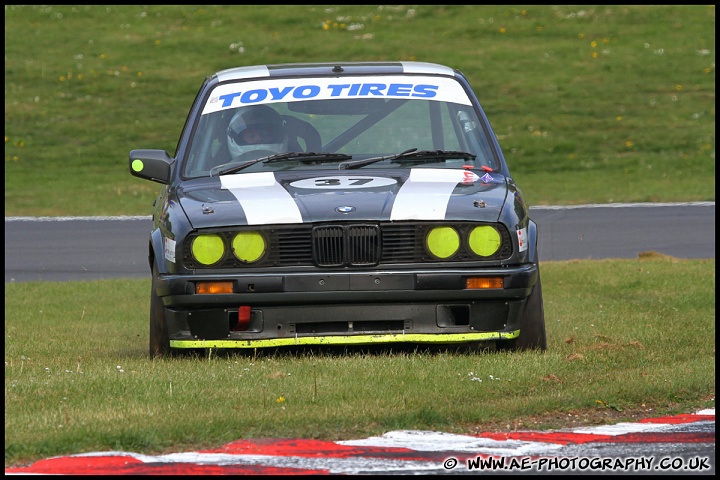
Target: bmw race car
<point>339,204</point>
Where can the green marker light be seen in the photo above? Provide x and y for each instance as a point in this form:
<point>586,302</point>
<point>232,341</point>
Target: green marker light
<point>137,165</point>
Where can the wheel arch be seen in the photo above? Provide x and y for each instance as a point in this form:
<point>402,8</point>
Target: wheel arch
<point>532,232</point>
<point>155,253</point>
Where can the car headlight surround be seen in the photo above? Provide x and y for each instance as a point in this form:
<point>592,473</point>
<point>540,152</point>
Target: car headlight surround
<point>442,241</point>
<point>249,247</point>
<point>484,240</point>
<point>208,249</point>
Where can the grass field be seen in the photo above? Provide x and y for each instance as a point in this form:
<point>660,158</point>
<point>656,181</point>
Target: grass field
<point>627,339</point>
<point>592,104</point>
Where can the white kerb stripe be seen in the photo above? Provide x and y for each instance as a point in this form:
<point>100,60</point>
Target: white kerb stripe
<point>263,199</point>
<point>426,193</point>
<point>429,441</point>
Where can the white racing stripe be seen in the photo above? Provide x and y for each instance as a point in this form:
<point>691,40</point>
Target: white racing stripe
<point>426,193</point>
<point>262,198</point>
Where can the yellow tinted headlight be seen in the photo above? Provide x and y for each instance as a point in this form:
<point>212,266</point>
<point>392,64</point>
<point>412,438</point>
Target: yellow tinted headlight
<point>248,246</point>
<point>208,249</point>
<point>443,242</point>
<point>484,240</point>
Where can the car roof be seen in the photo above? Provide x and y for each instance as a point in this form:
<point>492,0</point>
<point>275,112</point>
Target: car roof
<point>332,69</point>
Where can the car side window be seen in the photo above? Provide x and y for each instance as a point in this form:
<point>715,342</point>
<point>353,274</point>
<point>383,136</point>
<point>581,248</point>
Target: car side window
<point>209,146</point>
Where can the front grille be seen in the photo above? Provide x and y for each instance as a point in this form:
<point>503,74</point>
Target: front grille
<point>346,245</point>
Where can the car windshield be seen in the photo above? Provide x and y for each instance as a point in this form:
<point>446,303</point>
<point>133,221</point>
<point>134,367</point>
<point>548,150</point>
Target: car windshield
<point>357,117</point>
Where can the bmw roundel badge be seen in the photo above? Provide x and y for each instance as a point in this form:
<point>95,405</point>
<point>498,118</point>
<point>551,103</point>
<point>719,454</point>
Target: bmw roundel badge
<point>345,209</point>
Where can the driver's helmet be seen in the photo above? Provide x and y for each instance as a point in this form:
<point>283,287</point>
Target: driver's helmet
<point>257,127</point>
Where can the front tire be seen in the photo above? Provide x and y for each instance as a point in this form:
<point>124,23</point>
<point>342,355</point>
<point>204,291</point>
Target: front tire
<point>532,326</point>
<point>159,338</point>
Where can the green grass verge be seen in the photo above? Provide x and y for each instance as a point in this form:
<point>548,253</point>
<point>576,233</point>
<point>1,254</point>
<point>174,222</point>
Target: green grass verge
<point>624,336</point>
<point>592,104</point>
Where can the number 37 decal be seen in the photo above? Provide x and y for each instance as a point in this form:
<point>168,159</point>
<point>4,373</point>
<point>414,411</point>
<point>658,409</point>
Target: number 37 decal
<point>343,182</point>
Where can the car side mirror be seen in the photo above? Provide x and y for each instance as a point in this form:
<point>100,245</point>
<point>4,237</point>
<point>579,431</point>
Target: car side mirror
<point>151,165</point>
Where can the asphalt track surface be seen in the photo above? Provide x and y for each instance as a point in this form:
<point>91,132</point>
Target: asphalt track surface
<point>89,248</point>
<point>65,249</point>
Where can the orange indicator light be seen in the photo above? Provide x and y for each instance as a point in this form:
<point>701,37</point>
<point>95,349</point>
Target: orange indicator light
<point>214,287</point>
<point>484,282</point>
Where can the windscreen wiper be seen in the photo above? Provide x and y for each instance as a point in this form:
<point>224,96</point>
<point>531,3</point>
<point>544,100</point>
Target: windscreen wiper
<point>412,155</point>
<point>305,157</point>
<point>368,161</point>
<point>433,155</point>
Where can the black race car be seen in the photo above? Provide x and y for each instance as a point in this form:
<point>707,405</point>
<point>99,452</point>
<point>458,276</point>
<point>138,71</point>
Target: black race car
<point>339,204</point>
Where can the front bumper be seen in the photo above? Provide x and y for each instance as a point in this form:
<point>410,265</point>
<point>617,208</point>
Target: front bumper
<point>348,308</point>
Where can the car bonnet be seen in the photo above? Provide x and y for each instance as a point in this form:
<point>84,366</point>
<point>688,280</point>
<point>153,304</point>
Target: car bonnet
<point>286,197</point>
